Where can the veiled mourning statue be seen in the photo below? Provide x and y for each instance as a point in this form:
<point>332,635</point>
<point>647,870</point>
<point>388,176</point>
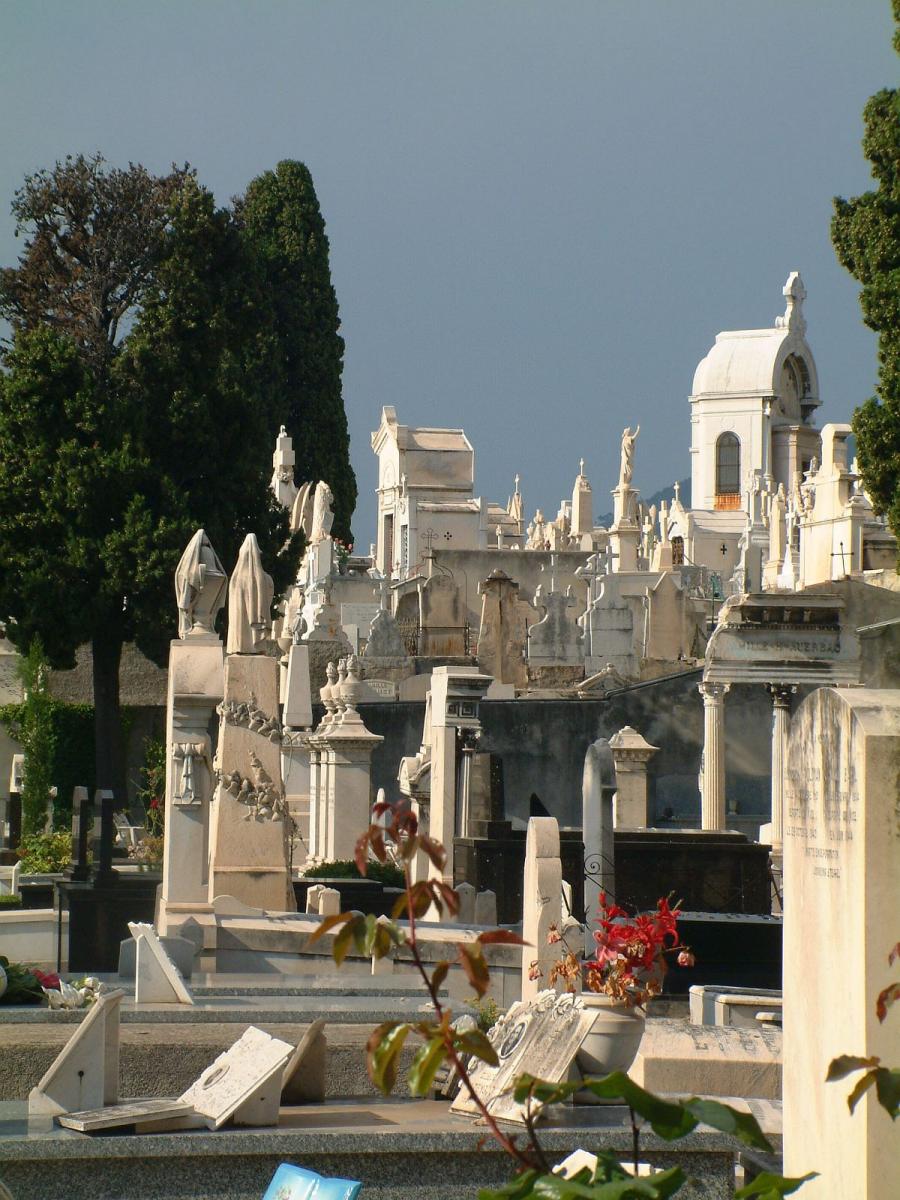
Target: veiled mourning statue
<point>249,602</point>
<point>200,582</point>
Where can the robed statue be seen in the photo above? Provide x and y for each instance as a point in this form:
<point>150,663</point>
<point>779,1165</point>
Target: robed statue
<point>200,582</point>
<point>249,602</point>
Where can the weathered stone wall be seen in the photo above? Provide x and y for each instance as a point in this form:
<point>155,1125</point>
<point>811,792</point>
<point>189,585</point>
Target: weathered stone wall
<point>543,743</point>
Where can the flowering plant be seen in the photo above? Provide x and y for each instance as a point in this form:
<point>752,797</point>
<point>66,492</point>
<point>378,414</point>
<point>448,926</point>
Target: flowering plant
<point>81,993</point>
<point>343,550</point>
<point>630,958</point>
<point>148,850</point>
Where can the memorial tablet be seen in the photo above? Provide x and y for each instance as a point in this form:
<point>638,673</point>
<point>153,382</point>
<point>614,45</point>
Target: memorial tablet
<point>538,1037</point>
<point>244,1082</point>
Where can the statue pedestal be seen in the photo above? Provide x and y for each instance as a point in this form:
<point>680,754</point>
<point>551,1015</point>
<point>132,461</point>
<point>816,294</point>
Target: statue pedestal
<point>249,849</point>
<point>195,688</point>
<point>625,532</point>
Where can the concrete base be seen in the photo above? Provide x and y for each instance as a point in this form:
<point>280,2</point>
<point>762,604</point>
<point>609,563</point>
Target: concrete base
<point>399,1149</point>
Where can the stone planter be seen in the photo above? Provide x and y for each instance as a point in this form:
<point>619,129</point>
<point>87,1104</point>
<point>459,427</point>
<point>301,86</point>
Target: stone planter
<point>613,1041</point>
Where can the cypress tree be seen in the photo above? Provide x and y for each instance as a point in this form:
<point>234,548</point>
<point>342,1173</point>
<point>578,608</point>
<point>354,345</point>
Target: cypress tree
<point>865,232</point>
<point>281,219</point>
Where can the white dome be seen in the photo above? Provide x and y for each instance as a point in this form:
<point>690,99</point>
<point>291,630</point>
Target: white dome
<point>749,362</point>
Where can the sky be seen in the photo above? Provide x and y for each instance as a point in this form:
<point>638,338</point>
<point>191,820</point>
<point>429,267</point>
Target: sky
<point>540,213</point>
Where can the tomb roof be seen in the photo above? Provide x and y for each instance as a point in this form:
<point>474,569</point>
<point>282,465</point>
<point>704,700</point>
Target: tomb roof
<point>745,362</point>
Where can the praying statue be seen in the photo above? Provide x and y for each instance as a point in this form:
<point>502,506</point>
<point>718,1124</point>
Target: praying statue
<point>249,602</point>
<point>626,470</point>
<point>200,582</point>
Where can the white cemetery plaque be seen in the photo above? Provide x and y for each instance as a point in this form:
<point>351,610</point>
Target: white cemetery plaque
<point>537,1037</point>
<point>841,910</point>
<point>384,687</point>
<point>236,1077</point>
<point>156,978</point>
<point>86,1070</point>
<point>135,1112</point>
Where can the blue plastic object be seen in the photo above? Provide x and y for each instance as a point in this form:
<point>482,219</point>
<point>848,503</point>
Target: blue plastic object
<point>297,1183</point>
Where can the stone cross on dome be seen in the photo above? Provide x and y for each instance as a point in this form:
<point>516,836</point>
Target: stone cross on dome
<point>794,293</point>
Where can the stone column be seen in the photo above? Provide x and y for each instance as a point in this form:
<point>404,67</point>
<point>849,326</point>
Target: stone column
<point>350,747</point>
<point>781,730</point>
<point>773,833</point>
<point>712,767</point>
<point>442,816</point>
<point>631,754</point>
<point>541,902</point>
<point>315,782</point>
<point>468,742</point>
<point>597,790</point>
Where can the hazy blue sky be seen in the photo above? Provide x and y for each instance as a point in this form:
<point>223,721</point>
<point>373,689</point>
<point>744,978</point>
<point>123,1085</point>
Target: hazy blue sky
<point>540,213</point>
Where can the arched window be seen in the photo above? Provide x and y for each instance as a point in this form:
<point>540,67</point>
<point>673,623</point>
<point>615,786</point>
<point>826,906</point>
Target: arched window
<point>728,465</point>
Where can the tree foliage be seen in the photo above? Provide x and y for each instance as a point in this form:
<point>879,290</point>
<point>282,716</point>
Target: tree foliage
<point>282,220</point>
<point>865,232</point>
<point>35,732</point>
<point>115,447</point>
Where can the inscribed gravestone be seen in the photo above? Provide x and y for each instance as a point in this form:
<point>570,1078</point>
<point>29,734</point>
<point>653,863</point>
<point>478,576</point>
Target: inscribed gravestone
<point>240,1077</point>
<point>539,1036</point>
<point>842,900</point>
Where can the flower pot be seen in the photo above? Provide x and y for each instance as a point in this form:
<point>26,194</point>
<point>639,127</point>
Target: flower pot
<point>612,1042</point>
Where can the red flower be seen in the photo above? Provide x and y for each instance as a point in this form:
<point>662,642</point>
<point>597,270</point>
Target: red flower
<point>47,979</point>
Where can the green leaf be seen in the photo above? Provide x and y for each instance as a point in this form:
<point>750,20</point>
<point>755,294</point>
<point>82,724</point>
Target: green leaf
<point>547,1093</point>
<point>439,974</point>
<point>473,1041</point>
<point>669,1120</point>
<point>741,1125</point>
<point>327,925</point>
<point>657,1186</point>
<point>844,1064</point>
<point>767,1186</point>
<point>887,1088</point>
<point>425,1066</point>
<point>382,1054</point>
<point>860,1088</point>
<point>350,933</point>
<point>517,1189</point>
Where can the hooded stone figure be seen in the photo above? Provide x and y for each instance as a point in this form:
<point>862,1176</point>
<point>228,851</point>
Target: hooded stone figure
<point>249,601</point>
<point>200,582</point>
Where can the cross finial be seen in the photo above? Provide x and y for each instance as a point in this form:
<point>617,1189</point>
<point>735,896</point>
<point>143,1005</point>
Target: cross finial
<point>794,293</point>
<point>517,483</point>
<point>677,490</point>
<point>581,466</point>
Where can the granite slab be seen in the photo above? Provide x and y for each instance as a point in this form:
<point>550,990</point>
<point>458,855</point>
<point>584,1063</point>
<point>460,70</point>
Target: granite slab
<point>264,1009</point>
<point>400,1149</point>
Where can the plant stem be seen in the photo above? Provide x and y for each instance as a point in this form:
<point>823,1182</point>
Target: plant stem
<point>635,1139</point>
<point>504,1140</point>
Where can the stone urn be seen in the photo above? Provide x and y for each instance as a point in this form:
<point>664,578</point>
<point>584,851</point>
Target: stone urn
<point>612,1042</point>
